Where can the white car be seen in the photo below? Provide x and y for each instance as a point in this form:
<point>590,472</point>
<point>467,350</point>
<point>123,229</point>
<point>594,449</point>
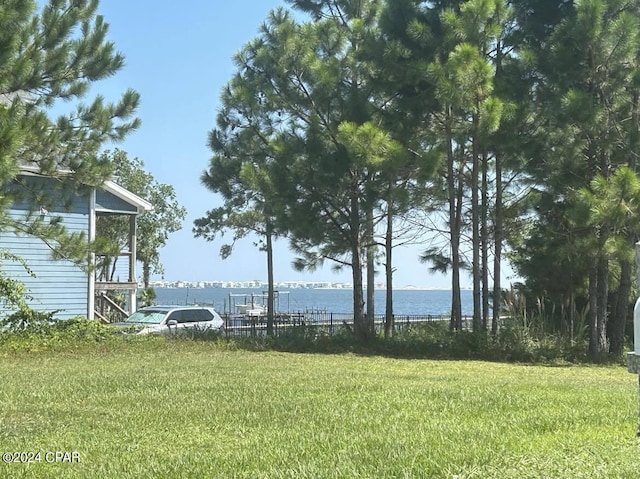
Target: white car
<point>171,319</point>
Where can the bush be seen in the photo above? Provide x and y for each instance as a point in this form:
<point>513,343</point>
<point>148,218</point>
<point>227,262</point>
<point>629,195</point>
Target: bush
<point>31,330</point>
<point>28,321</point>
<point>313,339</point>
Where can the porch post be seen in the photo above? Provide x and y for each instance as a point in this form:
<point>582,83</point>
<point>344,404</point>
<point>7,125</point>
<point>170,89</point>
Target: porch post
<point>132,262</point>
<point>91,277</point>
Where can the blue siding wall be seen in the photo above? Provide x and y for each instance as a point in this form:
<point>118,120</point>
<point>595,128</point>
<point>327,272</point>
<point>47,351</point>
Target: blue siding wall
<point>57,285</point>
<point>107,201</point>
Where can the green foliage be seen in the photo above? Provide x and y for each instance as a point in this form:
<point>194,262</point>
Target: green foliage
<point>516,341</point>
<point>312,152</point>
<point>526,111</point>
<point>153,227</point>
<point>198,334</point>
<point>613,205</point>
<point>29,330</point>
<point>578,244</point>
<point>51,55</point>
<point>29,321</point>
<point>13,294</point>
<point>147,297</point>
<point>311,339</point>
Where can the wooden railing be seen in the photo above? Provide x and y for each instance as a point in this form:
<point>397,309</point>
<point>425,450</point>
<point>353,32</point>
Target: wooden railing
<point>107,310</point>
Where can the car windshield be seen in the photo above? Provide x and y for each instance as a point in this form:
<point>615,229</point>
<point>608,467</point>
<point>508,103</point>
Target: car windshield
<point>148,316</point>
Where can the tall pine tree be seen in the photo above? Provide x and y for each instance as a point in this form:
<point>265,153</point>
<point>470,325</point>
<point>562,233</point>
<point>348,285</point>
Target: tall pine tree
<point>50,55</point>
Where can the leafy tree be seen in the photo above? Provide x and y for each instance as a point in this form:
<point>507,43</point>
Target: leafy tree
<point>468,76</point>
<point>153,227</point>
<point>417,29</point>
<point>48,56</point>
<point>333,123</point>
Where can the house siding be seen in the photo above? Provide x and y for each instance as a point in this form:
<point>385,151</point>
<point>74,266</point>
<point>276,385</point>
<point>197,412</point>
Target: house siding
<point>58,285</point>
<point>107,202</point>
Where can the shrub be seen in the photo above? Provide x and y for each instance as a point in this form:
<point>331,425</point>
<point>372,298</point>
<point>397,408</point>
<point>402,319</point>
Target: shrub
<point>312,339</point>
<point>28,321</point>
<point>31,330</point>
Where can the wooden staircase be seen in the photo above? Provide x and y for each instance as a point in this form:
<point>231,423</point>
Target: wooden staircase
<point>107,310</point>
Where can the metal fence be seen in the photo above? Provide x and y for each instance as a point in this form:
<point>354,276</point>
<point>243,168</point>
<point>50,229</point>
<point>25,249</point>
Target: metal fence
<point>328,322</point>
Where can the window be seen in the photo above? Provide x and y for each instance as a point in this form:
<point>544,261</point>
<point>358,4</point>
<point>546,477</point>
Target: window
<point>191,316</point>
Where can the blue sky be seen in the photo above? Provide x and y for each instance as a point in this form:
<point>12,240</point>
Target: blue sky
<point>179,57</point>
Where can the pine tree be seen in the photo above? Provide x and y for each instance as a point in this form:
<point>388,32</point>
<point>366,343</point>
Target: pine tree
<point>49,56</point>
<point>244,144</point>
<point>585,81</point>
<point>312,86</point>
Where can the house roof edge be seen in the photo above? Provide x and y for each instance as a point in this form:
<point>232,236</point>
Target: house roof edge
<point>109,186</point>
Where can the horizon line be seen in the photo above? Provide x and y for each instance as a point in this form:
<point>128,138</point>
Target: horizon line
<point>253,284</point>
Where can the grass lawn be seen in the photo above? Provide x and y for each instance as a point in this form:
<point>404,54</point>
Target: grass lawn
<point>190,409</point>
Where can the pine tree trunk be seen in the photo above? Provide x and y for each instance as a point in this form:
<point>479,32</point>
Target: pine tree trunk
<point>634,133</point>
<point>498,213</point>
<point>270,288</point>
<point>146,274</point>
<point>572,312</point>
<point>619,319</point>
<point>454,229</point>
<point>484,242</point>
<point>475,230</point>
<point>497,259</point>
<point>603,293</point>
<point>113,265</point>
<point>388,269</point>
<point>371,269</point>
<point>361,329</point>
<point>593,310</point>
<point>457,257</point>
<point>360,324</point>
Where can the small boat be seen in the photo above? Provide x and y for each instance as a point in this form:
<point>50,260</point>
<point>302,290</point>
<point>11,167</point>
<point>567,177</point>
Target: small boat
<point>251,309</point>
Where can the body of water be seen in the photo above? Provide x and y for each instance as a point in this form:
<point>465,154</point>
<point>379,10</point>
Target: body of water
<point>405,302</point>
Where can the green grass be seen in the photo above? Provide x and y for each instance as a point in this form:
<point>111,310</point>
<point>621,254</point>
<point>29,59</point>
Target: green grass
<point>177,409</point>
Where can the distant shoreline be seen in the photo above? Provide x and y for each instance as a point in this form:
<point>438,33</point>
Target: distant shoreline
<point>290,287</point>
<point>411,301</point>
